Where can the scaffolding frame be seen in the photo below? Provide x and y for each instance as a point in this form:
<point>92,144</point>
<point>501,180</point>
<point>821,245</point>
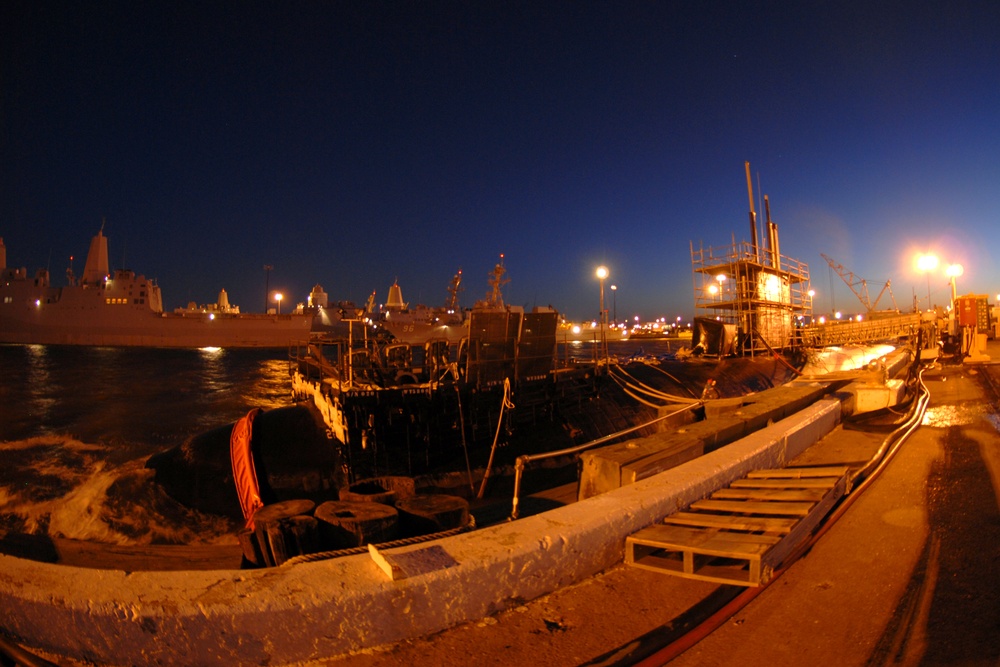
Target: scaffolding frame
<point>766,295</point>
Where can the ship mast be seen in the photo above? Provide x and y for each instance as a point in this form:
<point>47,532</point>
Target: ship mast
<point>497,280</point>
<point>453,290</point>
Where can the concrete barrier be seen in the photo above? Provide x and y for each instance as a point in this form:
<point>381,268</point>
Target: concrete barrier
<point>311,611</point>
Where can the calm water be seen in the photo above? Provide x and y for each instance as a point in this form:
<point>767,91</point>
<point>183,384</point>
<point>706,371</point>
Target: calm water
<point>78,423</point>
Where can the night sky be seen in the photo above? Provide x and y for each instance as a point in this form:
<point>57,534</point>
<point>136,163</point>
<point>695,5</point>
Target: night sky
<point>352,144</point>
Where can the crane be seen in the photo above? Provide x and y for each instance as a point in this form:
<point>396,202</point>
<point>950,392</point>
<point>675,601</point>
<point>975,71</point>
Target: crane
<point>860,286</point>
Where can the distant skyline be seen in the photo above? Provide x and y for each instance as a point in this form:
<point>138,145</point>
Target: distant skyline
<point>355,144</point>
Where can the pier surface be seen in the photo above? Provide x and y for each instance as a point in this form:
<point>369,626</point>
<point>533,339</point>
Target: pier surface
<point>907,574</point>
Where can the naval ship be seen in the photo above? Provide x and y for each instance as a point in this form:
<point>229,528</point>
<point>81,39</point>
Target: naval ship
<point>126,309</point>
<point>418,325</point>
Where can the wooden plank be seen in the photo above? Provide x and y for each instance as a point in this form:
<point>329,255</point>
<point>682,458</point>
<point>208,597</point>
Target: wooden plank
<point>148,557</point>
<point>797,473</point>
<point>750,507</point>
<point>800,495</point>
<point>813,483</point>
<point>404,564</point>
<point>708,542</point>
<point>780,525</point>
<point>740,573</point>
<point>729,558</point>
<point>806,526</point>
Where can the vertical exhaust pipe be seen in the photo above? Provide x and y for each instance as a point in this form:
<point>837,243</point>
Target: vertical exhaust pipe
<point>772,236</point>
<point>753,215</point>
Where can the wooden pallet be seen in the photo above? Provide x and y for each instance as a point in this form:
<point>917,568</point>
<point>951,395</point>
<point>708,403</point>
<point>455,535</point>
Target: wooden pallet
<point>739,534</point>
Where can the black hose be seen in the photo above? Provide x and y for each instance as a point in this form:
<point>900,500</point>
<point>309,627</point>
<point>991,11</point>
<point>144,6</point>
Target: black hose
<point>11,654</point>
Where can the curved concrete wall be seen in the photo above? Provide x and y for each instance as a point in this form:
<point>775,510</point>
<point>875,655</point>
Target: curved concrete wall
<point>328,608</point>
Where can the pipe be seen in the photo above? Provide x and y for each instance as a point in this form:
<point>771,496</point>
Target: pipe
<point>772,237</point>
<point>753,214</point>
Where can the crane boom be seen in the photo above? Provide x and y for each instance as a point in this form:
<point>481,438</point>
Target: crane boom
<point>859,286</point>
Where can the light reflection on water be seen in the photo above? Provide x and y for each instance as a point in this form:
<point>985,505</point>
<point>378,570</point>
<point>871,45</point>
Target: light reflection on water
<point>144,398</point>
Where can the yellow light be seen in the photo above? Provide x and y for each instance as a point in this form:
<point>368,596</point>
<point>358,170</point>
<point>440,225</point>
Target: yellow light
<point>927,262</point>
<point>713,290</point>
<point>954,270</point>
<point>602,272</point>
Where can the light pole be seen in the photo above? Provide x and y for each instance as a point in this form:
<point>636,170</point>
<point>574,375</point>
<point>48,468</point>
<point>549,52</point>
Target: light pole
<point>602,275</point>
<point>277,298</point>
<point>926,264</point>
<point>954,271</point>
<point>267,284</point>
<point>614,301</point>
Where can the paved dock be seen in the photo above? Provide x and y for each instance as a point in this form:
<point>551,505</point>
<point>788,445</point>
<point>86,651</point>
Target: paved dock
<point>909,575</point>
<point>905,575</point>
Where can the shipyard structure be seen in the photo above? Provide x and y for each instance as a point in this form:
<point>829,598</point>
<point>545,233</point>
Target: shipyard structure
<point>748,297</point>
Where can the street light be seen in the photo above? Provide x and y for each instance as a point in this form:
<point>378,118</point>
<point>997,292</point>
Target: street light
<point>614,301</point>
<point>278,297</point>
<point>927,263</point>
<point>954,271</point>
<point>602,275</point>
<point>267,283</point>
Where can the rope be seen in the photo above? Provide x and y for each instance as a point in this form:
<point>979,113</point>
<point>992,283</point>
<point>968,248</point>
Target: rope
<point>505,403</point>
<point>635,396</point>
<point>646,389</point>
<point>465,448</point>
<point>406,541</point>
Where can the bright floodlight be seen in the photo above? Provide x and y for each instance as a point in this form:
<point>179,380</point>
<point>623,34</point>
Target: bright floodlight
<point>954,270</point>
<point>602,272</point>
<point>927,262</point>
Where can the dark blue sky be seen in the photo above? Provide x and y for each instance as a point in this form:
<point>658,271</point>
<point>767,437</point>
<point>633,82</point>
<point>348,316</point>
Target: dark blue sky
<point>353,143</point>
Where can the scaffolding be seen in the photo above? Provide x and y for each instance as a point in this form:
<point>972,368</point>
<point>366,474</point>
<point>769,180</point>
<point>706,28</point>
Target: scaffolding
<point>764,294</point>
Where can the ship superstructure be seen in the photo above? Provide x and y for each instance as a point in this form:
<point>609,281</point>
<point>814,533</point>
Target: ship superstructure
<point>122,308</point>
